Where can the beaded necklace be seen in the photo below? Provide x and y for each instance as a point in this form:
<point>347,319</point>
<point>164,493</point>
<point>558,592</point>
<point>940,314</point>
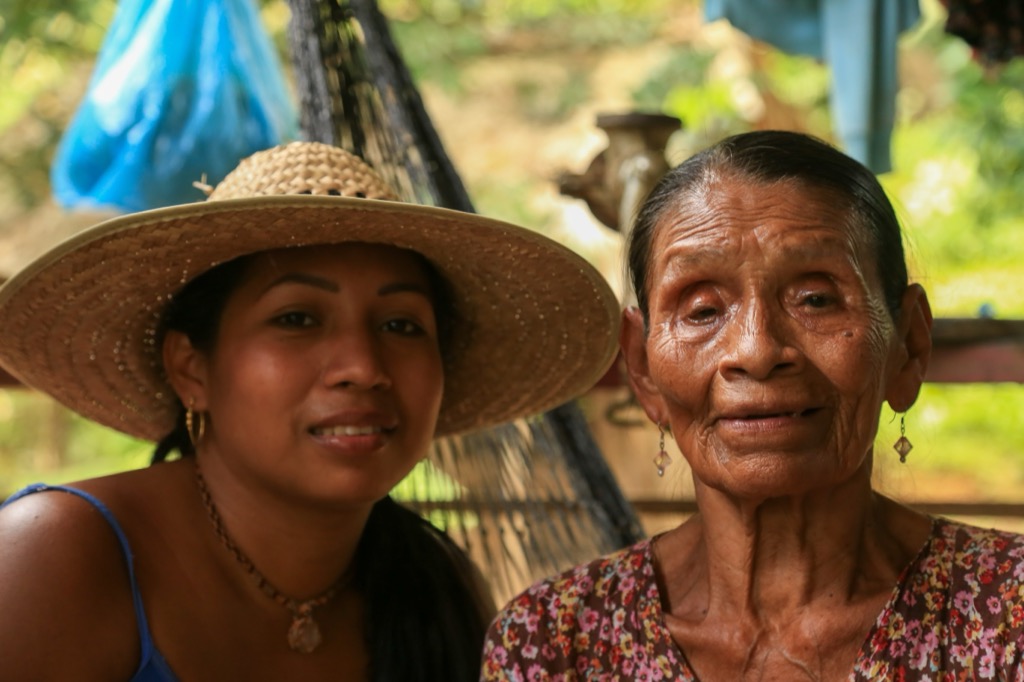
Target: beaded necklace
<point>303,634</point>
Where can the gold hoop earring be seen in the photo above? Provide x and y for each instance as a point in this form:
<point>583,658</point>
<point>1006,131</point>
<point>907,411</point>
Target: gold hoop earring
<point>661,460</point>
<point>903,446</point>
<point>195,430</point>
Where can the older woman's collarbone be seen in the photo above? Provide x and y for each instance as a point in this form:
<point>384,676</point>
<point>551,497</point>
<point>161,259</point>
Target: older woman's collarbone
<point>806,644</point>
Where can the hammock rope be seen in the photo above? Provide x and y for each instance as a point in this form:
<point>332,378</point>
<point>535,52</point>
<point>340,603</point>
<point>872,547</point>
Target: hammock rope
<point>525,499</point>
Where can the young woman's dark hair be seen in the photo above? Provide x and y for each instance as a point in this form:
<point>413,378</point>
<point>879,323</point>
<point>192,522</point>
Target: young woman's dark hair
<point>426,613</point>
<point>195,311</point>
<point>426,609</point>
<point>768,157</point>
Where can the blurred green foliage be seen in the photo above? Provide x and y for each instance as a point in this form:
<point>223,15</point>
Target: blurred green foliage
<point>41,44</point>
<point>60,446</point>
<point>680,86</point>
<point>436,51</point>
<point>519,12</point>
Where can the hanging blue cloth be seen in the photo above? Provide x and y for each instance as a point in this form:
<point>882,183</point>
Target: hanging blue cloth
<point>181,89</point>
<point>857,39</point>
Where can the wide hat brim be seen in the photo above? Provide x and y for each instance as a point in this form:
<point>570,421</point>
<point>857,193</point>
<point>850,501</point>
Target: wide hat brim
<point>536,324</point>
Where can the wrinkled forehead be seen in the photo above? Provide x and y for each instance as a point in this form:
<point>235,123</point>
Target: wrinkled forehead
<point>735,200</point>
<point>720,220</point>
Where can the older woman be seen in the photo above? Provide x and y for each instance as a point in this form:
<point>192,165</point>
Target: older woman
<point>774,319</point>
<point>298,339</point>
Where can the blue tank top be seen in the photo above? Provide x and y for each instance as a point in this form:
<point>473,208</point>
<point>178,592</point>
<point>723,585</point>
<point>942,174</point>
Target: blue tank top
<point>152,666</point>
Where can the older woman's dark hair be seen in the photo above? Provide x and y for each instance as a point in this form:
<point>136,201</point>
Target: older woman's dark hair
<point>768,157</point>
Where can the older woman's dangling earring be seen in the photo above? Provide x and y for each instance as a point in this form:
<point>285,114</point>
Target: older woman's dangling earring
<point>661,460</point>
<point>903,446</point>
<point>195,430</point>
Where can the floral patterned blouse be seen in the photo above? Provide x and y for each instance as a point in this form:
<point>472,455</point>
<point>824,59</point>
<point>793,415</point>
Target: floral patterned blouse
<point>956,614</point>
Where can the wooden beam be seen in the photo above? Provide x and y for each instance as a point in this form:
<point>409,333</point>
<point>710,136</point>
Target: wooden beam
<point>977,350</point>
<point>957,331</point>
<point>977,363</point>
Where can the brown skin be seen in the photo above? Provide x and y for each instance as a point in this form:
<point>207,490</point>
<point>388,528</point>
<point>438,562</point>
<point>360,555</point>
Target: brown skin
<point>350,342</point>
<point>769,355</point>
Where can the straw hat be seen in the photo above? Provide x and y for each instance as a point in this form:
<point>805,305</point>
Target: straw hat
<point>535,324</point>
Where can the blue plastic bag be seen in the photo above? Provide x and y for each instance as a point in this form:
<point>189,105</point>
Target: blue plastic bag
<point>182,89</point>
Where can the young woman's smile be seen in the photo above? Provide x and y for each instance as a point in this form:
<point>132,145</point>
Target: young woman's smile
<point>354,432</point>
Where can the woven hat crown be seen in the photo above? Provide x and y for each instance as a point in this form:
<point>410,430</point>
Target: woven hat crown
<point>303,168</point>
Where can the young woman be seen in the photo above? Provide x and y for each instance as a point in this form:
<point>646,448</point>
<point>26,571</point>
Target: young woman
<point>299,351</point>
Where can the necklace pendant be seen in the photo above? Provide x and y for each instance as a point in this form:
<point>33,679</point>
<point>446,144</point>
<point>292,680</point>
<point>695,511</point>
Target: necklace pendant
<point>304,634</point>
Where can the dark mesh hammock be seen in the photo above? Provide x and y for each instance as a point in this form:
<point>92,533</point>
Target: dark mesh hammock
<point>525,499</point>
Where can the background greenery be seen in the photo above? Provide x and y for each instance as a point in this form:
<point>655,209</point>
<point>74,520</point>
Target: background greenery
<point>513,86</point>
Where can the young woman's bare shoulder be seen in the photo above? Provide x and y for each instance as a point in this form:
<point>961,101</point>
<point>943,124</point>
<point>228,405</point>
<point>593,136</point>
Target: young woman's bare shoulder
<point>67,604</point>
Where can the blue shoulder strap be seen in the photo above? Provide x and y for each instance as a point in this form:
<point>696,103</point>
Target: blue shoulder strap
<point>150,656</point>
